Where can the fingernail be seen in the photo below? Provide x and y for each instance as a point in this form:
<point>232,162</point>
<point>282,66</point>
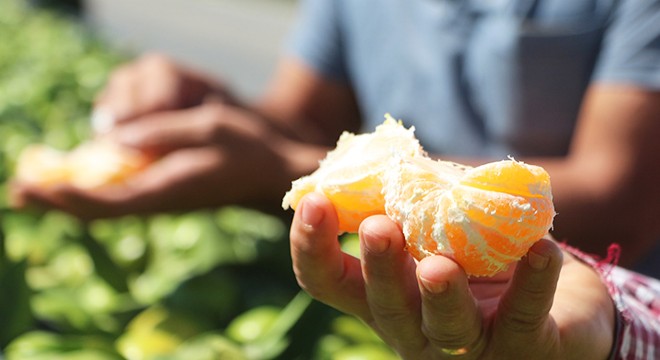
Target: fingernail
<point>434,287</point>
<point>375,244</point>
<point>377,247</point>
<point>102,120</point>
<point>311,215</point>
<point>537,261</point>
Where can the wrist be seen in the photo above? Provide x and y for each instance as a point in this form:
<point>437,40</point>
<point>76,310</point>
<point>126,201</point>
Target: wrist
<point>605,333</point>
<point>291,160</point>
<point>299,159</point>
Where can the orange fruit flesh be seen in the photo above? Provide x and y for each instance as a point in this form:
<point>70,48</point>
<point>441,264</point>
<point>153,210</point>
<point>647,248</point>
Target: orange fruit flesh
<point>484,217</point>
<point>510,177</point>
<point>351,175</point>
<point>91,165</point>
<point>482,229</point>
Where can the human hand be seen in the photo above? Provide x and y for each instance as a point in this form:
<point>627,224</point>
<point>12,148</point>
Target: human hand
<point>209,155</point>
<point>152,83</point>
<point>431,310</point>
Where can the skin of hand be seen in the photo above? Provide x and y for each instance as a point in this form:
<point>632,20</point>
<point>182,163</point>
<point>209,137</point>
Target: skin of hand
<point>213,150</point>
<point>549,307</point>
<point>209,155</point>
<point>154,83</point>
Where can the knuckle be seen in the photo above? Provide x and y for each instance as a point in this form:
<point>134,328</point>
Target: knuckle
<point>122,75</point>
<point>309,286</point>
<point>392,312</point>
<point>448,339</point>
<point>302,244</point>
<point>156,60</point>
<point>522,321</point>
<point>214,110</point>
<point>529,310</point>
<point>211,119</point>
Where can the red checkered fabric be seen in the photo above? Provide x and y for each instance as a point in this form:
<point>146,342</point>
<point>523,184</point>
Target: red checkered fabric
<point>637,299</point>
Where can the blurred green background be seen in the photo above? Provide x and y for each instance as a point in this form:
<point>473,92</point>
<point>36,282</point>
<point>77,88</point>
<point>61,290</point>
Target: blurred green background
<point>214,284</point>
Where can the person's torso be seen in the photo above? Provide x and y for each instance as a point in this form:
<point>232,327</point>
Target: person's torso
<point>481,77</point>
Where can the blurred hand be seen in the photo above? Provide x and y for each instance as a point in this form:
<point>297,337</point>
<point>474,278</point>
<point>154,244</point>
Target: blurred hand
<point>431,310</point>
<point>210,155</point>
<point>151,84</point>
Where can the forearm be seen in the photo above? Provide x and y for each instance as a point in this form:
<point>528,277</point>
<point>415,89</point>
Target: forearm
<point>593,213</point>
<point>606,188</point>
<point>296,159</point>
<point>307,106</point>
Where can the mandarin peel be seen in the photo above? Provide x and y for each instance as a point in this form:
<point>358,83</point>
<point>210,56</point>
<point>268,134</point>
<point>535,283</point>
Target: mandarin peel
<point>483,217</point>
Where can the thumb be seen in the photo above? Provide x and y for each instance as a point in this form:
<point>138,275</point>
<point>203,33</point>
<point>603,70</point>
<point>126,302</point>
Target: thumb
<point>523,313</point>
<point>167,131</point>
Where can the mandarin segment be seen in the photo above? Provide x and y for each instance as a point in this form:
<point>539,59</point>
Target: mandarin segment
<point>510,177</point>
<point>484,217</point>
<point>351,174</point>
<point>482,229</point>
<point>90,165</point>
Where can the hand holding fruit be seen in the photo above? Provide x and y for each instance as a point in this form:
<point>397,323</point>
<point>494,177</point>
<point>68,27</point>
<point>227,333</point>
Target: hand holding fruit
<point>209,150</point>
<point>484,218</point>
<point>432,310</point>
<point>455,221</point>
<point>210,155</point>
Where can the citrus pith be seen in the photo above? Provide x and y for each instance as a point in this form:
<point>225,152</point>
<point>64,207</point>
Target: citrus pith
<point>484,217</point>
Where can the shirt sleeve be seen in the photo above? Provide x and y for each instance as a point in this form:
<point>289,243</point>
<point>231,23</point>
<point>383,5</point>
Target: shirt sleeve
<point>639,304</point>
<point>631,45</point>
<point>316,38</point>
<point>637,301</point>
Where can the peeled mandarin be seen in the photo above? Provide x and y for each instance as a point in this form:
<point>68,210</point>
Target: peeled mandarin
<point>484,228</point>
<point>91,165</point>
<point>484,217</point>
<point>350,175</point>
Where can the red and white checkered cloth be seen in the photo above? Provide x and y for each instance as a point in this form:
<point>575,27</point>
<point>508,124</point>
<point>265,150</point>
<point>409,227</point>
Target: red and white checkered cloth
<point>637,299</point>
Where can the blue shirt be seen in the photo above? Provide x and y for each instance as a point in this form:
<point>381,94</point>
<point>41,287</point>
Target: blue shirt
<point>480,77</point>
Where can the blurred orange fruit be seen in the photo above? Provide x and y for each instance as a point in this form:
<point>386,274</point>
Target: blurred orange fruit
<point>91,165</point>
<point>484,217</point>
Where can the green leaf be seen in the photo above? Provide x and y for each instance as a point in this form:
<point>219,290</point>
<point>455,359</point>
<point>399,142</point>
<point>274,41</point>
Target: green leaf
<point>15,302</point>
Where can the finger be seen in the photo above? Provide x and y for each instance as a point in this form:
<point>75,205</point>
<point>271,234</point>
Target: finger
<point>320,266</point>
<point>102,120</point>
<point>170,130</point>
<point>451,320</point>
<point>146,85</point>
<point>120,97</point>
<point>164,186</point>
<point>81,203</point>
<point>392,293</point>
<point>24,196</point>
<point>523,312</point>
<point>181,181</point>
